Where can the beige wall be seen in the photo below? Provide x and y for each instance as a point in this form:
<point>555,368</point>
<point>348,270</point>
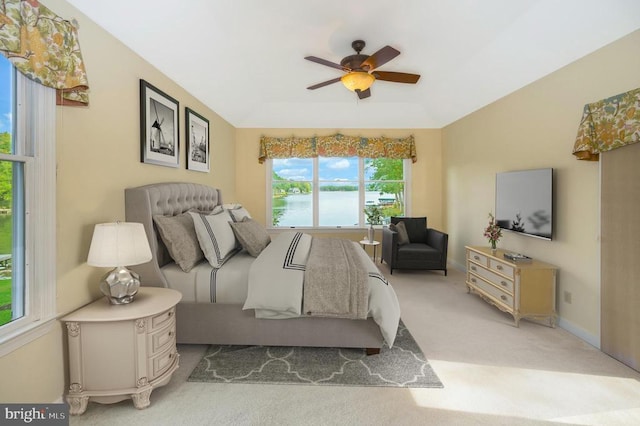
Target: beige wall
<point>98,153</point>
<point>531,128</point>
<point>426,194</point>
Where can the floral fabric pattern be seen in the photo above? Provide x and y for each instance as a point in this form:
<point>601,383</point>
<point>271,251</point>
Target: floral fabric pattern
<point>45,48</point>
<point>337,145</point>
<point>608,124</point>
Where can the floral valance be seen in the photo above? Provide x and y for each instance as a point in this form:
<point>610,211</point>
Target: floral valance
<point>45,48</point>
<point>608,124</point>
<point>336,146</point>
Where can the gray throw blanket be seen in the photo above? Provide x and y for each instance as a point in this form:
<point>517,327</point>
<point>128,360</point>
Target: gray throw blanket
<point>335,280</point>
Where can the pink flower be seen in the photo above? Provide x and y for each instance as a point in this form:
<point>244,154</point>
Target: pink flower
<point>493,232</point>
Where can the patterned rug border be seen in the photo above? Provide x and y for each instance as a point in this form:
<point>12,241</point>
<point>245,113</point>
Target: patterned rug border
<point>403,366</point>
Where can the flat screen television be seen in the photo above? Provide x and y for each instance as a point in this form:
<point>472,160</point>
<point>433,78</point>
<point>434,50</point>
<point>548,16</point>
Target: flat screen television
<point>524,202</point>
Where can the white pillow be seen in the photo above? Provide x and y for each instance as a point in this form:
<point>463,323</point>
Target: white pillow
<point>215,236</point>
<point>237,212</point>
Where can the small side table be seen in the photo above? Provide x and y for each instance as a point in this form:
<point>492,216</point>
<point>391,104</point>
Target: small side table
<point>375,244</point>
<point>122,351</point>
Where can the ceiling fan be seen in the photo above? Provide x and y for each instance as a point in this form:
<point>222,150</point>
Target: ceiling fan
<point>361,70</point>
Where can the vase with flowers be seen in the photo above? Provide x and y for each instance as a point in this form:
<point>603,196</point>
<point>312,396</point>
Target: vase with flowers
<point>493,233</point>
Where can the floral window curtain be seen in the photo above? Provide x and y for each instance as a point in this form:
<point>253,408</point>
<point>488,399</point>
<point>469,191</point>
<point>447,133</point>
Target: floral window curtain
<point>45,48</point>
<point>337,146</point>
<point>608,124</point>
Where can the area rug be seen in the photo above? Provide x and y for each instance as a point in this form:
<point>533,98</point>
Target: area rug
<point>404,365</point>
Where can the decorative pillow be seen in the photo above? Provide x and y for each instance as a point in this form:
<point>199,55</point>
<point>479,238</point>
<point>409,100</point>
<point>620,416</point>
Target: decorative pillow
<point>237,212</point>
<point>252,235</point>
<point>215,235</point>
<point>179,236</point>
<point>401,229</point>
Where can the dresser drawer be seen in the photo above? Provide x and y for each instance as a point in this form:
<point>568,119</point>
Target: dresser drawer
<point>502,268</point>
<point>500,281</point>
<point>162,319</point>
<point>162,362</point>
<point>492,291</point>
<point>477,257</point>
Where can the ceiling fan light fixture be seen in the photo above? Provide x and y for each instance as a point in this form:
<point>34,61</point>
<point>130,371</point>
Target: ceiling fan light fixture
<point>357,80</point>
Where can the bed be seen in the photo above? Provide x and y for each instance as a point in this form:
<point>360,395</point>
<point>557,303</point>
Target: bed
<point>208,315</point>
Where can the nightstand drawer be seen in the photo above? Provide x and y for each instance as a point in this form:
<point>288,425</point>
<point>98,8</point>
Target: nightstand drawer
<point>502,268</point>
<point>159,340</point>
<point>162,319</point>
<point>163,362</point>
<point>500,281</point>
<point>493,291</point>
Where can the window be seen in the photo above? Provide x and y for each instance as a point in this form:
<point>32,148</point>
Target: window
<point>333,192</point>
<point>27,208</point>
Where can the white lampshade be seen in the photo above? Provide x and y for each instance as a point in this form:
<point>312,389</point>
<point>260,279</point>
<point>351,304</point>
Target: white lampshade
<point>119,244</point>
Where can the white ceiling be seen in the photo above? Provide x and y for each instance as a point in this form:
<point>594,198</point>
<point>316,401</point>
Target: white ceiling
<point>245,58</point>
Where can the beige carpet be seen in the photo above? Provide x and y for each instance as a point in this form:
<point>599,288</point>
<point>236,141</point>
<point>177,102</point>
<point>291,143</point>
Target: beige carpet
<point>494,374</point>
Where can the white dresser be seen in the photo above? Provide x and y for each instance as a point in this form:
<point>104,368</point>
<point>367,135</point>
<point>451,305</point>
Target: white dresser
<point>122,351</point>
<point>522,289</point>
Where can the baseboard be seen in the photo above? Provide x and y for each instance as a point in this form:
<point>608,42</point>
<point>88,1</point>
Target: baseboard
<point>459,266</point>
<point>579,332</point>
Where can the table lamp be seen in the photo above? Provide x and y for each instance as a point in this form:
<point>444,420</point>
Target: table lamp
<point>118,245</point>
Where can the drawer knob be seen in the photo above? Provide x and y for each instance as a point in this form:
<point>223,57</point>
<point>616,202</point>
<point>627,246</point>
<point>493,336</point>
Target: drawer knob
<point>504,283</point>
<point>170,313</point>
<point>476,257</point>
<point>473,280</point>
<point>499,267</point>
<point>503,297</point>
<point>473,268</point>
<point>171,334</point>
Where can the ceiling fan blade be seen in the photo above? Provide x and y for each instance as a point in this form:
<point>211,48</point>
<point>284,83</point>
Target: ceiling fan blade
<point>362,94</point>
<point>327,63</point>
<point>380,58</point>
<point>324,83</point>
<point>397,77</point>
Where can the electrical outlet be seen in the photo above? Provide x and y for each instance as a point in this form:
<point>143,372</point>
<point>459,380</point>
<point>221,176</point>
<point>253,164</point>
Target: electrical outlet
<point>567,297</point>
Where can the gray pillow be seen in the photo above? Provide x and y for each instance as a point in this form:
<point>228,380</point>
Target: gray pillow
<point>252,235</point>
<point>401,229</point>
<point>179,236</point>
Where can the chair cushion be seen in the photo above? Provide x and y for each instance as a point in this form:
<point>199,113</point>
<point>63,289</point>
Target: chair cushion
<point>401,229</point>
<point>418,252</point>
<point>416,228</point>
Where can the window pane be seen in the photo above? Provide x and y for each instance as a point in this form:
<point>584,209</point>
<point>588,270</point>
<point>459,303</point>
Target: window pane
<point>11,242</point>
<point>292,196</point>
<point>6,105</point>
<point>384,183</point>
<point>338,196</point>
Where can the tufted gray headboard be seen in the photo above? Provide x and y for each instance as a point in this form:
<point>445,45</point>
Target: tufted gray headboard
<point>166,199</point>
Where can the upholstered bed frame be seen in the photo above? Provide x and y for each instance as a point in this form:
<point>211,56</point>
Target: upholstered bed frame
<point>214,323</point>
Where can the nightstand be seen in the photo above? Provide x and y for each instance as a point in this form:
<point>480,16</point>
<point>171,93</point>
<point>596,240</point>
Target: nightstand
<point>122,351</point>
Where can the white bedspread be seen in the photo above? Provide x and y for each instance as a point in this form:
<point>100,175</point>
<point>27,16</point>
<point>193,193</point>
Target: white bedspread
<point>204,284</point>
<point>276,282</point>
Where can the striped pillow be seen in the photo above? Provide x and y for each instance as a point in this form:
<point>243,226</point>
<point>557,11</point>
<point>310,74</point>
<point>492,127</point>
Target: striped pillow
<point>215,236</point>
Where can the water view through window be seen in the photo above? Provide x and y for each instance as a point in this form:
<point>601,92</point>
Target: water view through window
<point>344,187</point>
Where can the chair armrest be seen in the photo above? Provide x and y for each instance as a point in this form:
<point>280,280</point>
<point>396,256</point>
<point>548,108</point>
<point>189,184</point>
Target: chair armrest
<point>438,240</point>
<point>389,245</point>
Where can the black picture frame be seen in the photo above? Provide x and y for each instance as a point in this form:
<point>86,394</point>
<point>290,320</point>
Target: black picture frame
<point>159,127</point>
<point>198,144</point>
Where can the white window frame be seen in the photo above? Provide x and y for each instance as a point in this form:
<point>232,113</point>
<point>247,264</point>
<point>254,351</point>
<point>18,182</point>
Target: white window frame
<point>316,196</point>
<point>34,116</point>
